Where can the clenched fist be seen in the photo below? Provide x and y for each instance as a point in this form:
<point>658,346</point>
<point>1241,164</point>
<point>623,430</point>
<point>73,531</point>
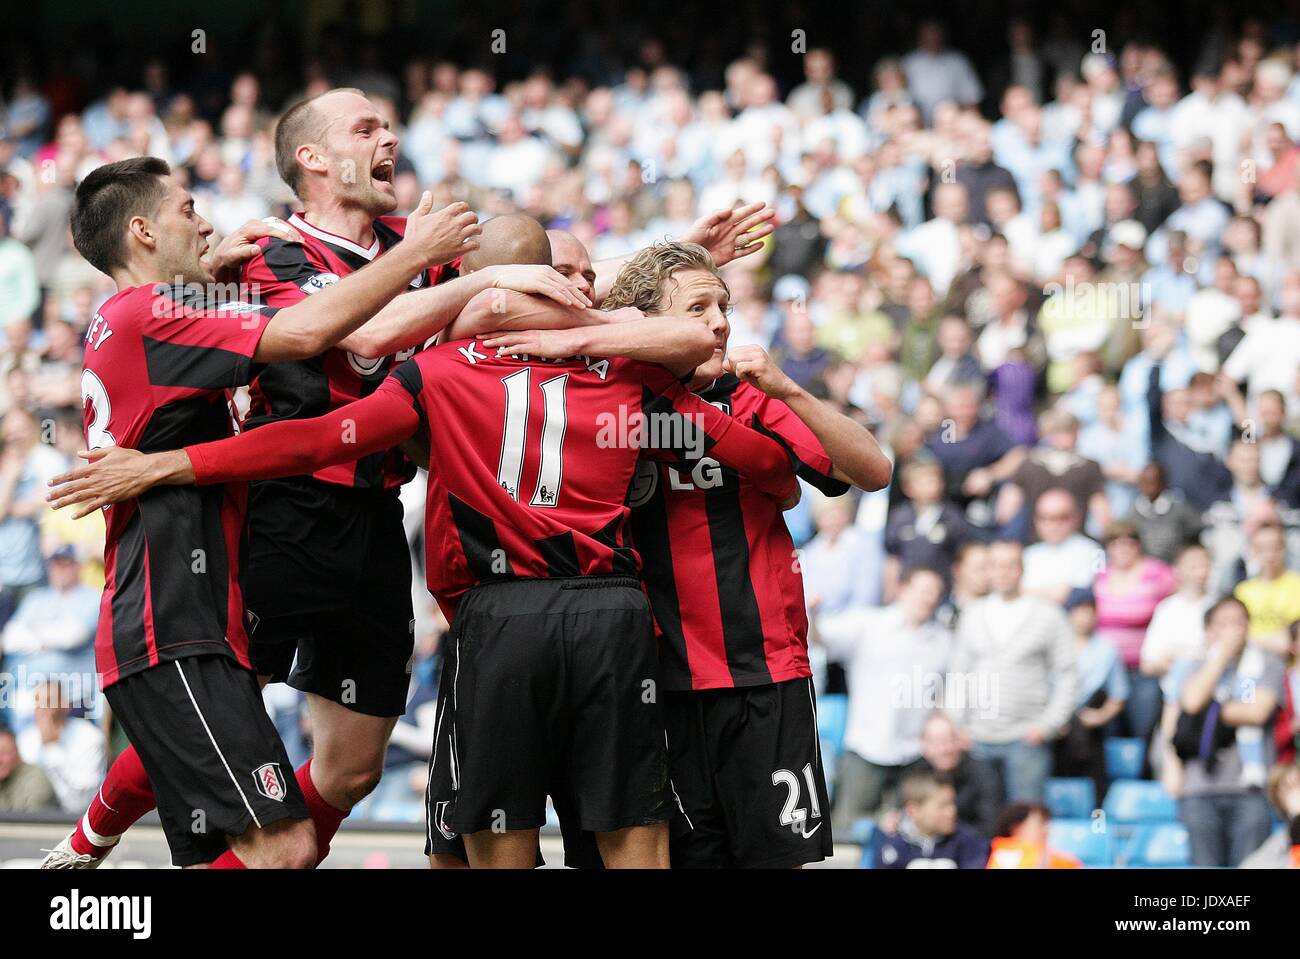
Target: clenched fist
<point>752,364</point>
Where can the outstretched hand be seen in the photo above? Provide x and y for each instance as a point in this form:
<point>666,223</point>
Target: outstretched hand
<point>545,344</point>
<point>731,234</point>
<point>111,474</point>
<point>539,281</point>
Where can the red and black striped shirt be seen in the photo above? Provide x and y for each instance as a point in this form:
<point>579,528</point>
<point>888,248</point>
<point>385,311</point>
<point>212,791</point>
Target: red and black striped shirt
<point>284,274</point>
<point>720,567</point>
<point>529,464</point>
<point>158,374</point>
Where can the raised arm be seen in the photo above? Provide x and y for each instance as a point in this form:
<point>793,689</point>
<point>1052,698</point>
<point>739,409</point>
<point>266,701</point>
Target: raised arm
<point>726,234</point>
<point>318,322</point>
<point>284,448</point>
<point>855,455</point>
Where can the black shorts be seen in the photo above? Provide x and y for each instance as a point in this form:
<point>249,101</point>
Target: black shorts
<point>548,681</point>
<point>214,759</point>
<point>747,773</point>
<point>580,849</point>
<point>328,579</point>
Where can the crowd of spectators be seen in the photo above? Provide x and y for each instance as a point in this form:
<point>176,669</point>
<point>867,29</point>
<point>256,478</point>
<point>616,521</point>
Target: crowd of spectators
<point>1064,293</point>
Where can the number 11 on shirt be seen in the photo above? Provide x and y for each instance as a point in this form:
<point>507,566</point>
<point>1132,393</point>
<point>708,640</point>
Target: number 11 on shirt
<point>514,437</point>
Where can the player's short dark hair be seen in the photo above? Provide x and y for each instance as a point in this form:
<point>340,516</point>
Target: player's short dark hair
<point>299,124</point>
<point>107,199</point>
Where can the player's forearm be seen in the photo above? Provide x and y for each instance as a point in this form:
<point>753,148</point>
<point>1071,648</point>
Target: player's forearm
<point>496,309</point>
<point>410,319</point>
<point>679,344</point>
<point>294,447</point>
<point>314,324</point>
<point>759,459</point>
<point>854,453</point>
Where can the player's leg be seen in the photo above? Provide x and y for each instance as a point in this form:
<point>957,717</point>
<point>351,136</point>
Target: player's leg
<point>446,860</point>
<point>770,778</point>
<point>219,769</point>
<point>500,716</point>
<point>288,844</point>
<point>698,835</point>
<point>346,765</point>
<point>512,849</point>
<point>445,849</point>
<point>617,761</point>
<point>125,795</point>
<point>354,663</point>
<point>348,751</point>
<point>636,847</point>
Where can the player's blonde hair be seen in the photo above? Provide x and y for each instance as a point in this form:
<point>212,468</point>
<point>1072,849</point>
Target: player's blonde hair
<point>643,281</point>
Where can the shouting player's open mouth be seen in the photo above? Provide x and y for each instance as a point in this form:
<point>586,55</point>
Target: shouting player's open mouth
<point>383,172</point>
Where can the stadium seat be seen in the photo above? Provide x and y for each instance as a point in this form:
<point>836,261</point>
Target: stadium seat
<point>1071,798</point>
<point>1139,801</point>
<point>1162,846</point>
<point>1080,839</point>
<point>870,846</point>
<point>1125,757</point>
<point>862,831</point>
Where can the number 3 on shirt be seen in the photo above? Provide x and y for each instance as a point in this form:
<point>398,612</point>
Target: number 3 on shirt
<point>510,467</point>
<point>92,390</point>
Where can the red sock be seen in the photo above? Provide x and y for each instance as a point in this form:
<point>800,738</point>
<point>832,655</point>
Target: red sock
<point>227,860</point>
<point>124,797</point>
<point>326,817</point>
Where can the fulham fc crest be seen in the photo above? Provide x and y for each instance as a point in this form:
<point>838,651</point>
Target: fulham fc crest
<point>269,783</point>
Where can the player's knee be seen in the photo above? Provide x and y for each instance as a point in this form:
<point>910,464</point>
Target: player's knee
<point>356,784</point>
<point>297,846</point>
<point>289,844</point>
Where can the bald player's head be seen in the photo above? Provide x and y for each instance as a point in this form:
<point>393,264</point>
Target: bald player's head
<point>513,238</point>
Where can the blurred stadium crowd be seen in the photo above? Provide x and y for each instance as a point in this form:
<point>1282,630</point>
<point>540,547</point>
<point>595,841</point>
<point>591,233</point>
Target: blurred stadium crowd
<point>1064,291</point>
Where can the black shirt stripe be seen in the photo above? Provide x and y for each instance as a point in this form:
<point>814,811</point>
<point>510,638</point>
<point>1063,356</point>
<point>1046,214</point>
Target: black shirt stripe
<point>479,541</point>
<point>737,604</point>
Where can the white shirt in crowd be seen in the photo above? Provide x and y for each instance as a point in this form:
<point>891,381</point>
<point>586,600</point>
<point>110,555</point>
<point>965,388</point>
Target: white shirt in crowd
<point>1268,355</point>
<point>895,676</point>
<point>1176,630</point>
<point>1075,561</point>
<point>74,763</point>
